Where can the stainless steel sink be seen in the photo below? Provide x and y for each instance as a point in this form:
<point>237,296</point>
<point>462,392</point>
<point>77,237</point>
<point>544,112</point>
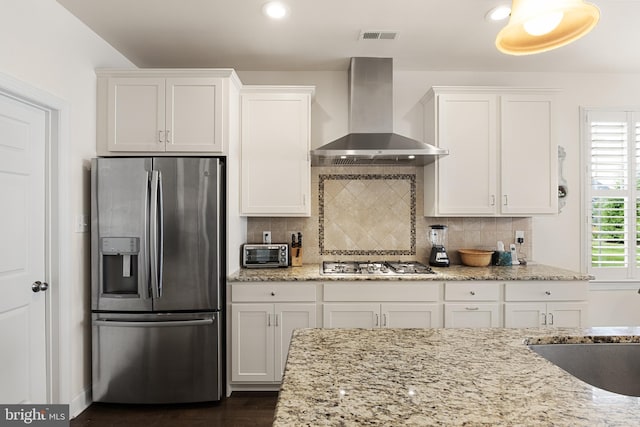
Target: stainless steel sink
<point>613,367</point>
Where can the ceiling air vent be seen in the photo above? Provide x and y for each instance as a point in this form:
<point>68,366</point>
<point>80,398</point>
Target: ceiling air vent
<point>378,35</point>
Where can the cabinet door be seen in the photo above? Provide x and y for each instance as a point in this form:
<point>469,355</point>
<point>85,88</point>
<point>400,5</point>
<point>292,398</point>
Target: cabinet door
<point>252,340</point>
<point>529,155</point>
<point>467,176</point>
<point>276,168</point>
<point>360,315</point>
<point>525,315</point>
<point>411,316</point>
<point>471,315</point>
<point>567,314</point>
<point>287,318</point>
<point>194,114</point>
<point>135,114</point>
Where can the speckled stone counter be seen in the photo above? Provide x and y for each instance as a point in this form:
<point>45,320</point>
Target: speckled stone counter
<point>424,377</point>
<point>311,272</point>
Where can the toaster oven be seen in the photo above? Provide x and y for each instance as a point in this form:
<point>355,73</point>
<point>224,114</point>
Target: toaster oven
<point>267,255</point>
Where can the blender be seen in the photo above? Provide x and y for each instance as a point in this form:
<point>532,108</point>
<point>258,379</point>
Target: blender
<point>438,257</point>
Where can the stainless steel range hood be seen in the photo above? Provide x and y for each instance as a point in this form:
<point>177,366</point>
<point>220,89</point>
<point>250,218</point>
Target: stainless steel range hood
<point>371,140</point>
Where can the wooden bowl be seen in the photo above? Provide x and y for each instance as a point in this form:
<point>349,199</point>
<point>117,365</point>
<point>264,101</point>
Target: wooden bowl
<point>475,257</point>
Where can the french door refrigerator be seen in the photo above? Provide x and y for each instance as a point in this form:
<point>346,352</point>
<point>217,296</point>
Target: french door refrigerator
<point>157,239</point>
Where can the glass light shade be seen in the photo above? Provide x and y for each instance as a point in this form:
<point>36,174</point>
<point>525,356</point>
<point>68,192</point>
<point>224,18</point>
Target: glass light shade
<point>544,24</point>
<point>575,18</point>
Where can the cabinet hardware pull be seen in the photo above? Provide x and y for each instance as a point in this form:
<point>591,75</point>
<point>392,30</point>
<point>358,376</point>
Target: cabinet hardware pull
<point>472,308</point>
<point>493,200</point>
<point>273,294</point>
<point>506,200</point>
<point>544,319</point>
<point>268,320</point>
<point>551,318</point>
<point>276,321</point>
<point>160,136</point>
<point>472,292</point>
<point>547,292</point>
<point>377,319</point>
<point>169,136</point>
<point>384,320</point>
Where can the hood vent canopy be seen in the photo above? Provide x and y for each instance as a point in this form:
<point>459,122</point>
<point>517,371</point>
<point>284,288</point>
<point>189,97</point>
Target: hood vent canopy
<point>371,140</point>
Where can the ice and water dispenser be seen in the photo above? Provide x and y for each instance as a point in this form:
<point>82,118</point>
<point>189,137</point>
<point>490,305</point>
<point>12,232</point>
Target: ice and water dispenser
<point>119,264</point>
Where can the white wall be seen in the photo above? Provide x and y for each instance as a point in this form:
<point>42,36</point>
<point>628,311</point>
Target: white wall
<point>44,46</point>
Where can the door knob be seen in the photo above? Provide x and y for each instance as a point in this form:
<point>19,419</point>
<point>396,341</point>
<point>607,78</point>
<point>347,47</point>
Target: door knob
<point>38,286</point>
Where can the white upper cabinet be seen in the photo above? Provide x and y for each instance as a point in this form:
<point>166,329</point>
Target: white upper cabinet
<point>529,155</point>
<point>194,114</point>
<point>275,140</point>
<point>163,111</point>
<point>502,152</point>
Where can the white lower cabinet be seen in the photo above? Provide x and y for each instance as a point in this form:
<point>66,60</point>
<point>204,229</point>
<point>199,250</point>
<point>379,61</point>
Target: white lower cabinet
<point>540,304</point>
<point>472,304</point>
<point>375,315</point>
<point>359,305</point>
<point>537,314</point>
<point>261,331</point>
<point>263,316</point>
<point>471,315</point>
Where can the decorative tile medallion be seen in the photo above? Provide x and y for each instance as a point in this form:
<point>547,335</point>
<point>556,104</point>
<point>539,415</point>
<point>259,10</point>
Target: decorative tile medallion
<point>367,214</point>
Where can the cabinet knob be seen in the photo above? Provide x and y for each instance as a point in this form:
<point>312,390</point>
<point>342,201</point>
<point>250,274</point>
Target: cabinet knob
<point>547,293</point>
<point>273,294</point>
<point>472,292</point>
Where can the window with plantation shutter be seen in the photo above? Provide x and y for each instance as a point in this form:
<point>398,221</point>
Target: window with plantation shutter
<point>612,141</point>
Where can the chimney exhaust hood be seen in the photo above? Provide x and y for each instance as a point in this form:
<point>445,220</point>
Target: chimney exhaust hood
<point>371,140</point>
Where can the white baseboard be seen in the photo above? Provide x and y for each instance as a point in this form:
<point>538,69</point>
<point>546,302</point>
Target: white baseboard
<point>80,403</point>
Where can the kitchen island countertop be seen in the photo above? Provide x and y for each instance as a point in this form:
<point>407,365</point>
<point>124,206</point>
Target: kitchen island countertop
<point>423,377</point>
<point>311,272</point>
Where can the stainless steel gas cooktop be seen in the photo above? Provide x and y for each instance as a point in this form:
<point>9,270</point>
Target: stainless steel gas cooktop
<point>375,267</point>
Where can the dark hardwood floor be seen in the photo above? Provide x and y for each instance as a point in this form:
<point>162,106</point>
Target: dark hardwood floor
<point>241,409</point>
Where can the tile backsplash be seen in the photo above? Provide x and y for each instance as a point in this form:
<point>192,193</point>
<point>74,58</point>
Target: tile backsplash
<point>376,212</point>
<point>367,214</point>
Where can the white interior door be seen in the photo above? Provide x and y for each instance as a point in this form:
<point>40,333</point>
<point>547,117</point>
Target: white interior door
<point>23,350</point>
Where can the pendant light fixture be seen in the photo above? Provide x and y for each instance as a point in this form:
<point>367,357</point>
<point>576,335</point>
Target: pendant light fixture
<point>541,25</point>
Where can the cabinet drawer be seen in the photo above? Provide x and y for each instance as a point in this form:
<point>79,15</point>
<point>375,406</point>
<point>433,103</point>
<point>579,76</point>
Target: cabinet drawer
<point>472,291</point>
<point>546,291</point>
<point>358,291</point>
<point>273,292</point>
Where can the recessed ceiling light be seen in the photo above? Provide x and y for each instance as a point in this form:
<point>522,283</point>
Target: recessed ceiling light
<point>275,10</point>
<point>498,13</point>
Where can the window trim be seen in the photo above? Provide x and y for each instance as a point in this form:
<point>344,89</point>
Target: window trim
<point>624,282</point>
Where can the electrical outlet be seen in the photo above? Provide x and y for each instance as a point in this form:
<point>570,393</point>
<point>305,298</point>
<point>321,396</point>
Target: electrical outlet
<point>82,223</point>
<point>266,237</point>
<point>519,237</point>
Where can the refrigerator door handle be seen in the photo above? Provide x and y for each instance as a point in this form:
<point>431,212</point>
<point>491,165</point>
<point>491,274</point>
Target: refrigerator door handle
<point>153,234</point>
<point>147,256</point>
<point>161,234</point>
<point>156,324</point>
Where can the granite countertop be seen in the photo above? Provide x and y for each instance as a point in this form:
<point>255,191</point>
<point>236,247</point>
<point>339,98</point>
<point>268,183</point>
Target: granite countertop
<point>311,272</point>
<point>423,377</point>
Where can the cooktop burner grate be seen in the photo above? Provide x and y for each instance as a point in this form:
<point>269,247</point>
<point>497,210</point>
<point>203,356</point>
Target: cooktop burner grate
<point>375,267</point>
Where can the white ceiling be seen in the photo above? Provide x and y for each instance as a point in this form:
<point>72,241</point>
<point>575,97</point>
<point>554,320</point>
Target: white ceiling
<point>323,35</point>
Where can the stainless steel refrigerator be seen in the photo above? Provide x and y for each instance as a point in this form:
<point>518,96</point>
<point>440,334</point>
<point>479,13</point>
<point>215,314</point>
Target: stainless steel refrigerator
<point>157,239</point>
